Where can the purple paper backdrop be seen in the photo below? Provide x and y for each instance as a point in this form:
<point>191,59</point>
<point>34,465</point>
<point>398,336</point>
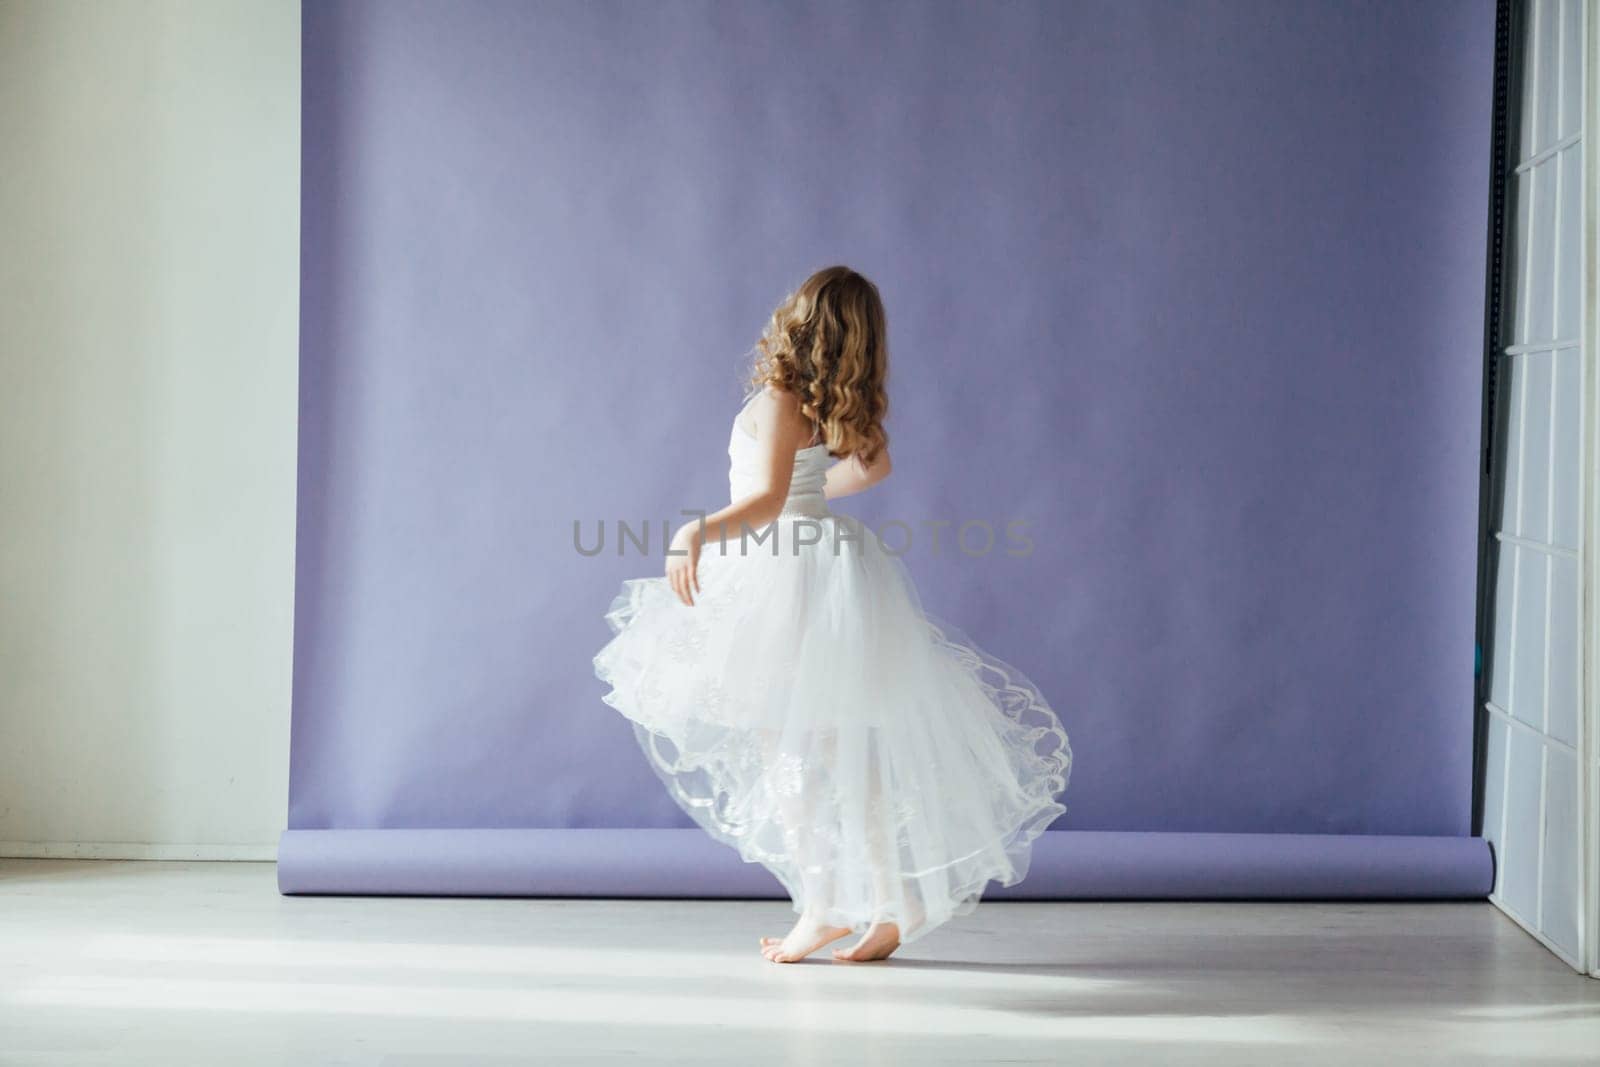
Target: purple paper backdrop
<point>1081,864</point>
<point>1193,288</point>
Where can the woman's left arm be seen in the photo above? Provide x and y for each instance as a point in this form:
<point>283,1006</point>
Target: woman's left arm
<point>850,475</point>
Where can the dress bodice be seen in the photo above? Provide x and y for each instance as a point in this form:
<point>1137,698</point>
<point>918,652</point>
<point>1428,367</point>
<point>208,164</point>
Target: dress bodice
<point>805,486</point>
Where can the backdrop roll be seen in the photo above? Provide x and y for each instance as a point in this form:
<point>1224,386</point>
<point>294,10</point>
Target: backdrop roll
<point>1066,865</point>
<point>1193,292</point>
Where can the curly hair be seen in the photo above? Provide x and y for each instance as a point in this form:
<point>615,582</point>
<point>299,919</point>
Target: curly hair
<point>827,343</point>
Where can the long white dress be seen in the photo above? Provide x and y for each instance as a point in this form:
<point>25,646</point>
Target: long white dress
<point>809,713</point>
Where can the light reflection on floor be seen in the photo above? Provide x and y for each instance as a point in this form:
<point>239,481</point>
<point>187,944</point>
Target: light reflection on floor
<point>173,963</point>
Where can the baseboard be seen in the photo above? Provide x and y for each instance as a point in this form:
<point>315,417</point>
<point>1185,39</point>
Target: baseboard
<point>133,850</point>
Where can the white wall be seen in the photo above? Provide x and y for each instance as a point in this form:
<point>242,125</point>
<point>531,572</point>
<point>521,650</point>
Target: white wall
<point>149,236</point>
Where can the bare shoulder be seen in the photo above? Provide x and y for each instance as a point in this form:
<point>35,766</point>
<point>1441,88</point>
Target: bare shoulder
<point>779,401</point>
<point>779,408</point>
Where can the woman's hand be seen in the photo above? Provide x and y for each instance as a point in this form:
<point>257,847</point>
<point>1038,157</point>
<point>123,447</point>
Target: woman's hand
<point>683,562</point>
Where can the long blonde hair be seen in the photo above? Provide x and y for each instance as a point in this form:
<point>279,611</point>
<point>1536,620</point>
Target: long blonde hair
<point>828,344</point>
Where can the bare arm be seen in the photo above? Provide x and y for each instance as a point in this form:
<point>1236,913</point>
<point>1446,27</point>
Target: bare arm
<point>780,430</point>
<point>850,475</point>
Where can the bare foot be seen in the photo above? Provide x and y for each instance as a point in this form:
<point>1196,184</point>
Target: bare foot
<point>880,940</point>
<point>807,936</point>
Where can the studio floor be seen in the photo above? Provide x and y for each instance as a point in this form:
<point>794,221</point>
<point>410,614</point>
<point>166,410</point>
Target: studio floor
<point>124,963</point>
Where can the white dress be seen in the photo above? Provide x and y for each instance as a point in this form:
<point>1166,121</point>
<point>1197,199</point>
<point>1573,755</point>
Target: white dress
<point>807,712</point>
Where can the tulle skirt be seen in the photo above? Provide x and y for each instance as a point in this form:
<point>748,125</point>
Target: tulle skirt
<point>807,712</point>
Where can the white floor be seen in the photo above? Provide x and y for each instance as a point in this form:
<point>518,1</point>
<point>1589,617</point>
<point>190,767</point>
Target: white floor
<point>204,963</point>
